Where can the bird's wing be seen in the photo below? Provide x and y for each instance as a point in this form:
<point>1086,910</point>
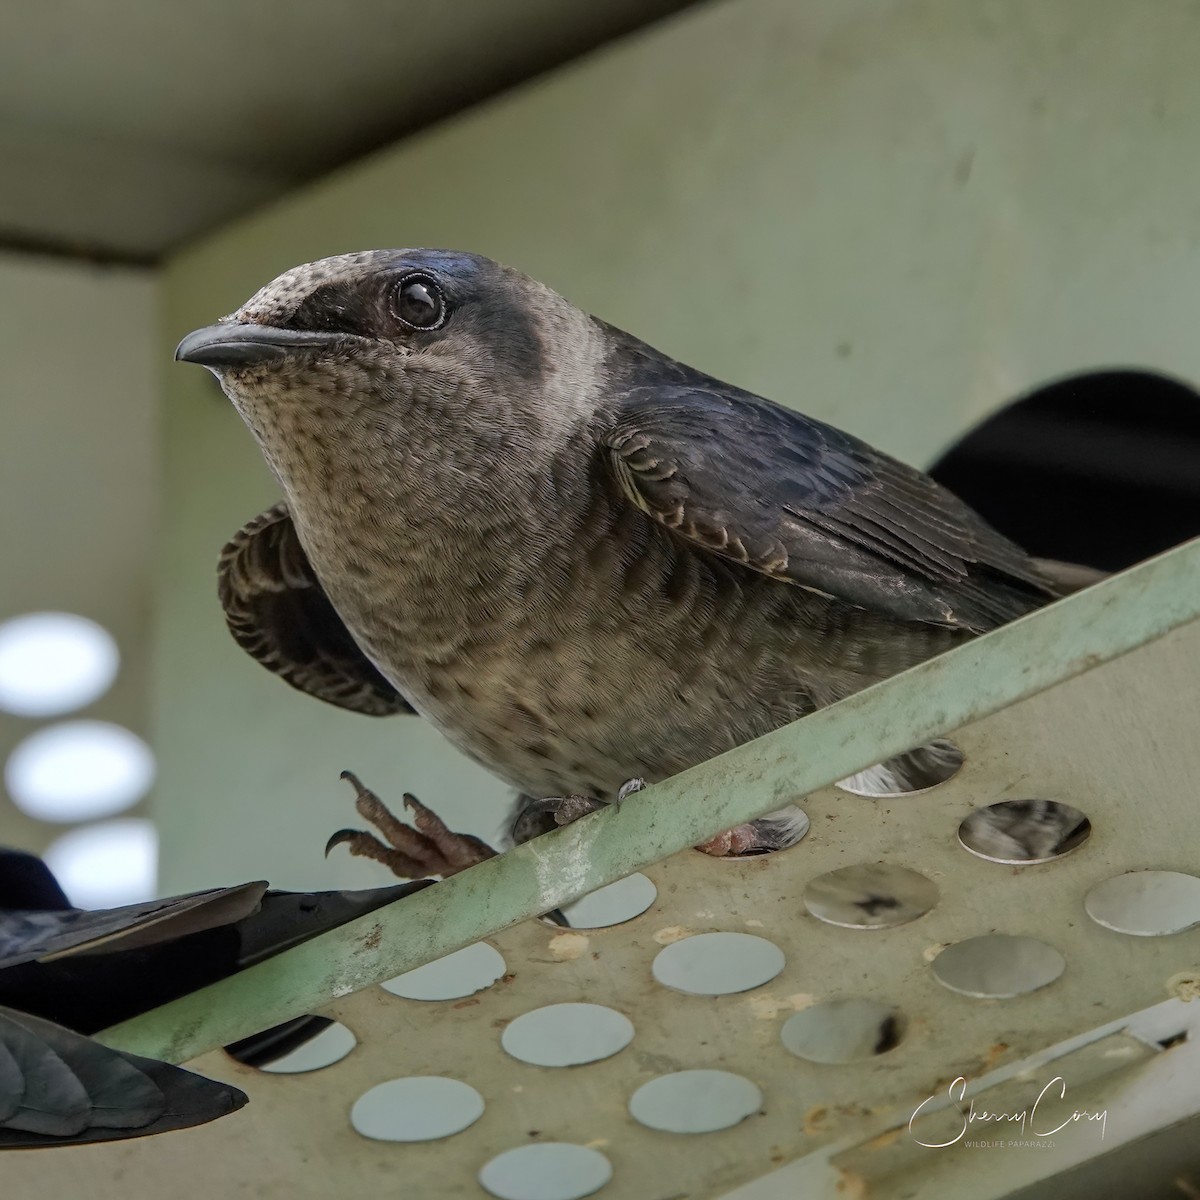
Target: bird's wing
<point>59,1088</point>
<point>1068,578</point>
<point>280,615</point>
<point>804,503</point>
<point>43,935</point>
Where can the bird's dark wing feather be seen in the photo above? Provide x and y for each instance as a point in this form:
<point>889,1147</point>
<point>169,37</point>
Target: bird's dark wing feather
<point>44,935</point>
<point>58,1088</point>
<point>802,502</point>
<point>280,615</point>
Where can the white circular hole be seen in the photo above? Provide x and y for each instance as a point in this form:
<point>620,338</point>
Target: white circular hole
<point>612,904</point>
<point>1146,903</point>
<point>452,977</point>
<point>1024,832</point>
<point>329,1046</point>
<point>998,966</point>
<point>78,771</point>
<point>306,1043</point>
<point>718,964</point>
<point>843,1031</point>
<point>420,1108</point>
<point>908,774</point>
<point>695,1101</point>
<point>546,1171</point>
<point>107,864</point>
<point>870,896</point>
<point>566,1035</point>
<point>54,662</point>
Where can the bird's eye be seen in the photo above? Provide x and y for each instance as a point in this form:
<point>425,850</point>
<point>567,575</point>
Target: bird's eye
<point>418,302</point>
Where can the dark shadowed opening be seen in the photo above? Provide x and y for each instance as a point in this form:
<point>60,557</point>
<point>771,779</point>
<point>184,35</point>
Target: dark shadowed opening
<point>1101,468</point>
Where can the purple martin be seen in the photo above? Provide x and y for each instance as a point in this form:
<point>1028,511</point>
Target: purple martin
<point>88,969</point>
<point>67,972</point>
<point>582,560</point>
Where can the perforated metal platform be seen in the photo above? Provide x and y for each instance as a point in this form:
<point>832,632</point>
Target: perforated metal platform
<point>1091,703</point>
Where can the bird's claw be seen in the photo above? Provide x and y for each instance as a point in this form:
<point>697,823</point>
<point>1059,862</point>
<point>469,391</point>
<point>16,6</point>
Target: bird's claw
<point>629,788</point>
<point>742,839</point>
<point>547,814</point>
<point>775,831</point>
<point>426,847</point>
<point>551,812</point>
<point>341,838</point>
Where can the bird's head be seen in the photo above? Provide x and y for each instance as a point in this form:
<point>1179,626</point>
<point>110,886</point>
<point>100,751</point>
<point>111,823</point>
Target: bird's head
<point>416,342</point>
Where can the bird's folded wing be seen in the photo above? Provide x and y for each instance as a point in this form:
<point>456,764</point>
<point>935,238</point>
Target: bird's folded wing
<point>280,615</point>
<point>806,504</point>
<point>28,935</point>
<point>60,1088</point>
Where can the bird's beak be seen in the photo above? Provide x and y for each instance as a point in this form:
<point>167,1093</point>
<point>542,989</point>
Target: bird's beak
<point>240,345</point>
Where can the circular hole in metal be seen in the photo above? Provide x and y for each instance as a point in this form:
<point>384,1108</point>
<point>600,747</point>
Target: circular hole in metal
<point>1020,832</point>
<point>308,1043</point>
<point>613,904</point>
<point>547,1171</point>
<point>843,1031</point>
<point>566,1035</point>
<point>718,964</point>
<point>908,774</point>
<point>695,1101</point>
<point>870,896</point>
<point>451,977</point>
<point>1146,903</point>
<point>419,1108</point>
<point>998,966</point>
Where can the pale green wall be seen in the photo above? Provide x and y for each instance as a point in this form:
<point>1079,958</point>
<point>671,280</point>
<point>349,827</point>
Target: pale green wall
<point>79,494</point>
<point>895,215</point>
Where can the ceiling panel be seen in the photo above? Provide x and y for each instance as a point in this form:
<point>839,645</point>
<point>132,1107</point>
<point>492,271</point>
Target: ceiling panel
<point>127,128</point>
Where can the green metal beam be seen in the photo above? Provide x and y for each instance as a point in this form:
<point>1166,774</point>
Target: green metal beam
<point>935,698</point>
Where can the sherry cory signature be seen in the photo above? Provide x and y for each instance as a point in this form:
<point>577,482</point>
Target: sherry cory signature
<point>1026,1118</point>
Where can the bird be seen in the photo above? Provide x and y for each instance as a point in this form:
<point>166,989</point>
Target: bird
<point>585,562</point>
<point>67,973</point>
<point>88,969</point>
<point>59,1088</point>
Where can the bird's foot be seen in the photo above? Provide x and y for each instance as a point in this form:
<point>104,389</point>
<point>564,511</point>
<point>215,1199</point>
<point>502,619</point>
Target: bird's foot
<point>541,816</point>
<point>776,831</point>
<point>426,847</point>
<point>741,839</point>
<point>629,788</point>
<point>535,817</point>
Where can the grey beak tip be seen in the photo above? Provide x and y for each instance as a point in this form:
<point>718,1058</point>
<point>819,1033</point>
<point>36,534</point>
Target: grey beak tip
<point>208,347</point>
<point>237,345</point>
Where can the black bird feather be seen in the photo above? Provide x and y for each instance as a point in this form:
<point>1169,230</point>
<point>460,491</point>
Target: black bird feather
<point>59,1088</point>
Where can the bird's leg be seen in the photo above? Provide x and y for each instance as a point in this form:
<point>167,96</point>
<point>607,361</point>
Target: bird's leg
<point>776,831</point>
<point>535,817</point>
<point>426,847</point>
